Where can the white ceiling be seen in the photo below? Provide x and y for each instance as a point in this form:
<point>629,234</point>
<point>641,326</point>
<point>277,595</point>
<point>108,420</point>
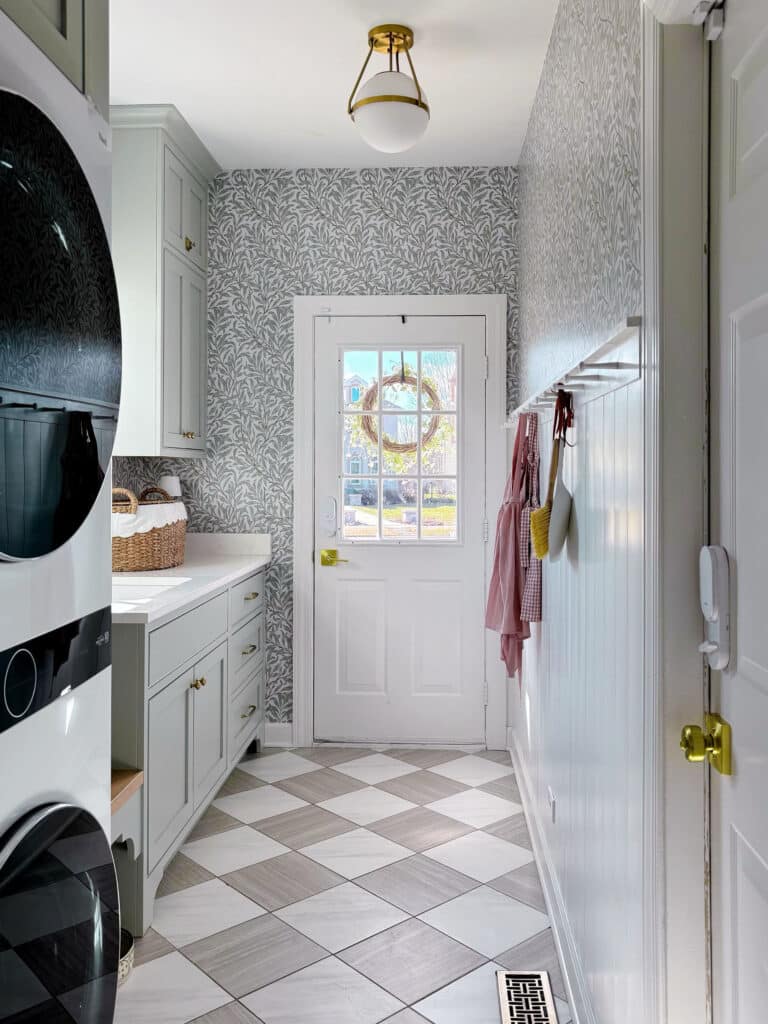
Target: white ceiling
<point>265,82</point>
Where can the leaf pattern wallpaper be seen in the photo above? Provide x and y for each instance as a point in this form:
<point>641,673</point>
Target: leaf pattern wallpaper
<point>579,179</point>
<point>275,234</point>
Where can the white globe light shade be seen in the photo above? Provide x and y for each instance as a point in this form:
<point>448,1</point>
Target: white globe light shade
<point>390,126</point>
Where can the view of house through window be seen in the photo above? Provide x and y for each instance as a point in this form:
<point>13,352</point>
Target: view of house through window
<point>400,443</point>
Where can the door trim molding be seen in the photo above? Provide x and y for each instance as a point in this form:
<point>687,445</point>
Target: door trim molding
<point>305,309</point>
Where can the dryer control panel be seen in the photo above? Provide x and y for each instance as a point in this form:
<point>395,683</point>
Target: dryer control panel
<point>37,672</point>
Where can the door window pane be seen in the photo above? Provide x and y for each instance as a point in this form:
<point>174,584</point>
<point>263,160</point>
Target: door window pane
<point>438,509</point>
<point>399,444</point>
<point>400,382</point>
<point>360,451</point>
<point>360,379</point>
<point>439,371</point>
<point>399,510</point>
<point>438,445</point>
<point>361,509</point>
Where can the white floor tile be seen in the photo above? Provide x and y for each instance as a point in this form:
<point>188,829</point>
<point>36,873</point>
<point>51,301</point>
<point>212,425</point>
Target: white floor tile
<point>487,921</point>
<point>275,767</point>
<point>356,853</point>
<point>202,910</point>
<point>476,808</point>
<point>472,998</point>
<point>328,992</point>
<point>229,851</point>
<point>480,856</point>
<point>169,989</point>
<point>340,917</point>
<point>256,804</point>
<point>376,768</point>
<point>367,805</point>
<point>472,770</point>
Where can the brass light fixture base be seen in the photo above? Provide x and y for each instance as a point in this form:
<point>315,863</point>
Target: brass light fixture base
<point>400,37</point>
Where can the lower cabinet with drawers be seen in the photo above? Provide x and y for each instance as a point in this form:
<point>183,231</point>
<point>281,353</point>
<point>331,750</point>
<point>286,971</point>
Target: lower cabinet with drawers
<point>187,701</point>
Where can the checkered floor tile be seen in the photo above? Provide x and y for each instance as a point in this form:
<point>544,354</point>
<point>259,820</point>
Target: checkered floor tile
<point>383,885</point>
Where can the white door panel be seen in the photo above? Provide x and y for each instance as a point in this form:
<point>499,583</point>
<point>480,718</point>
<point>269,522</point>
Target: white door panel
<point>740,506</point>
<point>400,493</point>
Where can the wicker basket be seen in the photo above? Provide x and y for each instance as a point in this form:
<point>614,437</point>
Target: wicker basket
<point>159,548</point>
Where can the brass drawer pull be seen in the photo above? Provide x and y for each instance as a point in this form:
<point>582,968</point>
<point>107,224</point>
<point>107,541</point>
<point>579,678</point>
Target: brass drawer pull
<point>189,245</point>
<point>249,650</point>
<point>198,683</point>
<point>188,433</point>
<point>249,712</point>
<point>252,596</point>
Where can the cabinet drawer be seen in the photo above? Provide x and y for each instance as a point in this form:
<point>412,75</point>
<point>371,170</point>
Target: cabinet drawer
<point>181,639</point>
<point>246,599</point>
<point>246,649</point>
<point>245,713</point>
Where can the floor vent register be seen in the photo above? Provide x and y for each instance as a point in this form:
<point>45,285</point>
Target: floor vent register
<point>525,997</point>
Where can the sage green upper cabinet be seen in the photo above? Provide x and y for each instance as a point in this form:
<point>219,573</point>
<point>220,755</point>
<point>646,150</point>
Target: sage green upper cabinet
<point>160,177</point>
<point>74,34</point>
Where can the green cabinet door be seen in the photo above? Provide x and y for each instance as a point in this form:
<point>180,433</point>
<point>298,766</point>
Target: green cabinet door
<point>58,28</point>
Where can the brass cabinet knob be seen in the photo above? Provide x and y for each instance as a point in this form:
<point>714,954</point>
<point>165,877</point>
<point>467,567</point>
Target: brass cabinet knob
<point>188,433</point>
<point>249,712</point>
<point>712,743</point>
<point>249,650</point>
<point>196,684</point>
<point>252,596</point>
<point>189,245</point>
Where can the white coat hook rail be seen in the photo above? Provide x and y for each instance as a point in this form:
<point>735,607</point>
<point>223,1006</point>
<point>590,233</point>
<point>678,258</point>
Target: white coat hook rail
<point>613,364</point>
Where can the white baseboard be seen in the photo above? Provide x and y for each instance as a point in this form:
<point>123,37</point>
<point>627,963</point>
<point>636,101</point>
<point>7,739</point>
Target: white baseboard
<point>278,734</point>
<point>573,973</point>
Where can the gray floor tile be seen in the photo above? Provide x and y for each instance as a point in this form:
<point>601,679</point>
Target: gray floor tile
<point>232,1013</point>
<point>211,823</point>
<point>411,960</point>
<point>536,954</point>
<point>329,756</point>
<point>422,787</point>
<point>522,884</point>
<point>321,785</point>
<point>282,880</point>
<point>419,829</point>
<point>180,874</point>
<point>304,827</point>
<point>416,884</point>
<point>514,830</point>
<point>239,782</point>
<point>254,954</point>
<point>406,1017</point>
<point>150,947</point>
<point>497,756</point>
<point>425,757</point>
<point>506,787</point>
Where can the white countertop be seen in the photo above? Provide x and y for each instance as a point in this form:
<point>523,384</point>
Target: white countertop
<point>213,562</point>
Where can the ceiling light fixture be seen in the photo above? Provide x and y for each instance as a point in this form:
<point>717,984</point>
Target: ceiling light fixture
<point>390,109</point>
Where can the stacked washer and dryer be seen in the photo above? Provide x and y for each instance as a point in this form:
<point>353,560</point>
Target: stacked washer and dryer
<point>59,397</point>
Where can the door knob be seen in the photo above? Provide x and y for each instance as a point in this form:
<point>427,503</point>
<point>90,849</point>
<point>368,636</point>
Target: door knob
<point>330,556</point>
<point>712,743</point>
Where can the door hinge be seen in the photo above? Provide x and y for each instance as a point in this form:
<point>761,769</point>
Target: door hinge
<point>485,531</point>
<point>487,368</point>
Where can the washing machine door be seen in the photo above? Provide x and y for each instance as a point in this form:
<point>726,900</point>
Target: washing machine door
<point>59,920</point>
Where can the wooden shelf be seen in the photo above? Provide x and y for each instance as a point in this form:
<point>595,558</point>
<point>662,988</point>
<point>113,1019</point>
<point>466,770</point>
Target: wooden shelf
<point>125,782</point>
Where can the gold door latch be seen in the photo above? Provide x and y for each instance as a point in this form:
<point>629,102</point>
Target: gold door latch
<point>330,556</point>
<point>712,743</point>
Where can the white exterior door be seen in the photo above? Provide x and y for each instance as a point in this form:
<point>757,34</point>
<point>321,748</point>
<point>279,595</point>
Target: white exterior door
<point>400,494</point>
<point>740,507</point>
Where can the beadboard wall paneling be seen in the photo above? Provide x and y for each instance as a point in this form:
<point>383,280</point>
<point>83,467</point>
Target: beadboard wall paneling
<point>580,200</point>
<point>277,234</point>
<point>579,710</point>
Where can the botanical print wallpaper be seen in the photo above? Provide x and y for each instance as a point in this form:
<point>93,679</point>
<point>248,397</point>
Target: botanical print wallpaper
<point>276,234</point>
<point>579,179</point>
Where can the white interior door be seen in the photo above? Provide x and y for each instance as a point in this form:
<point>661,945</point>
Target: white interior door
<point>400,494</point>
<point>740,507</point>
